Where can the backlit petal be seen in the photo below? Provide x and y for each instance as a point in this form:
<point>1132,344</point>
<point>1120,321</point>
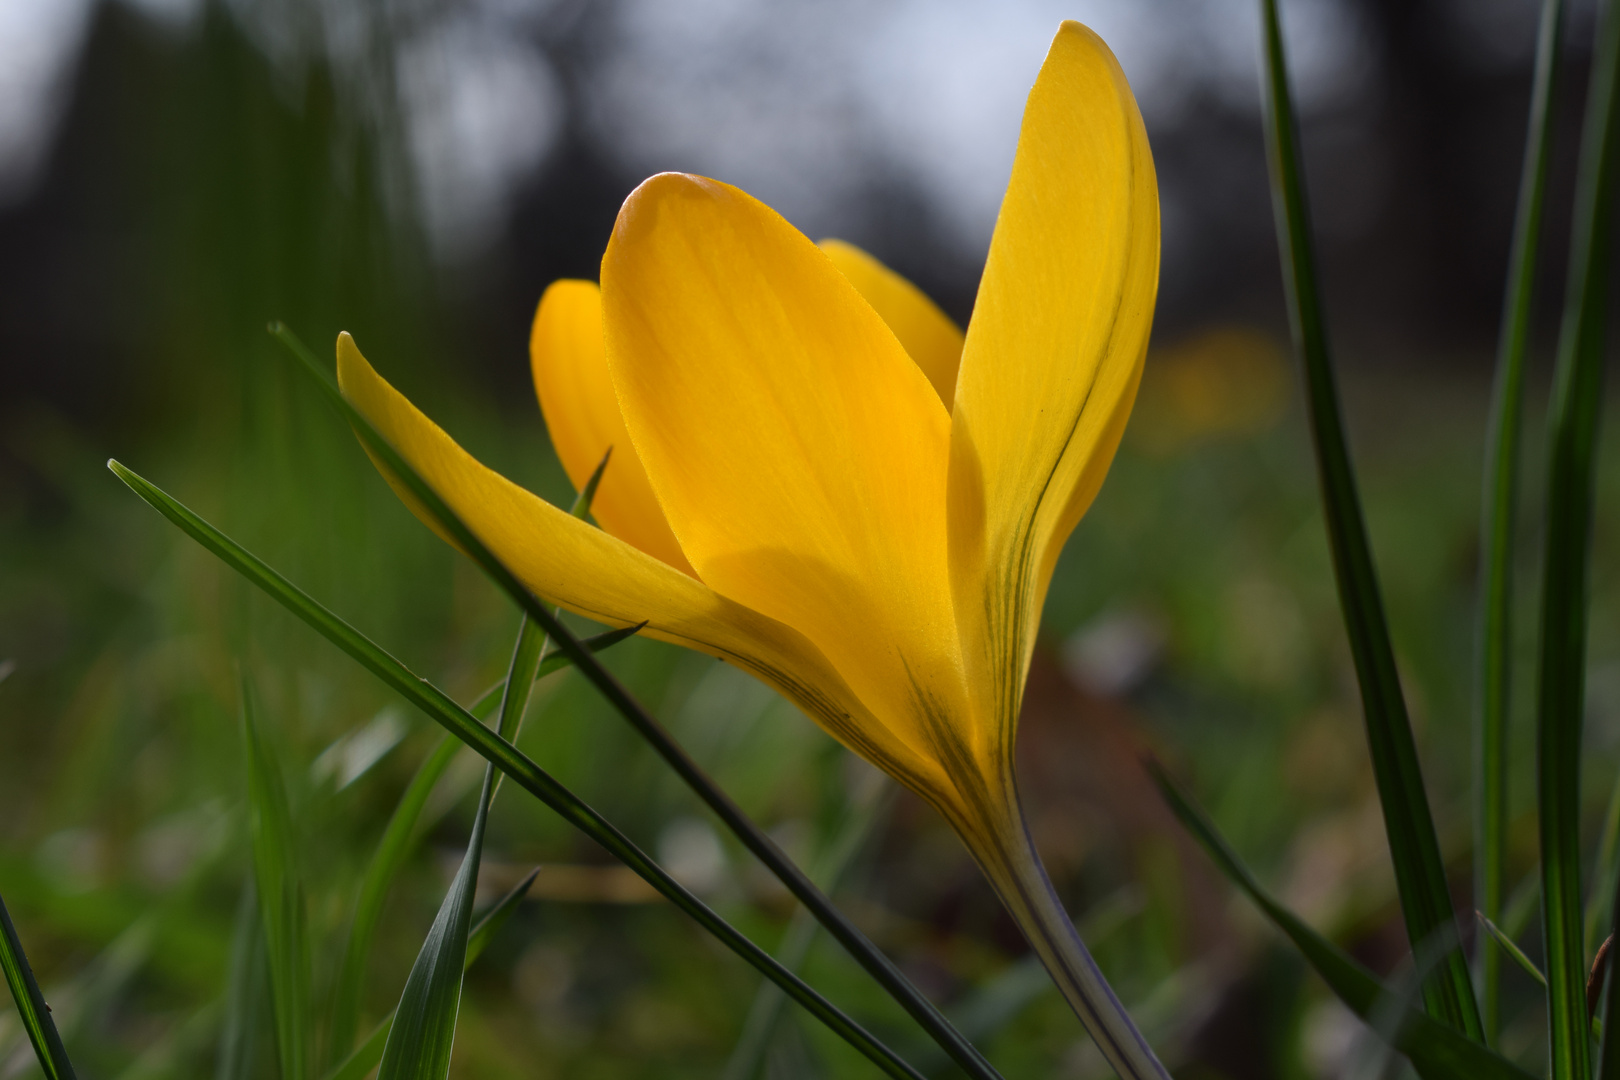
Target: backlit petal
<point>566,561</point>
<point>798,452</point>
<point>1053,354</point>
<point>582,414</point>
<point>927,333</point>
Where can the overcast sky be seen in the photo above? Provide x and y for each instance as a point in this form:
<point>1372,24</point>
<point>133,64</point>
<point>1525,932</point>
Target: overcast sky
<point>799,103</point>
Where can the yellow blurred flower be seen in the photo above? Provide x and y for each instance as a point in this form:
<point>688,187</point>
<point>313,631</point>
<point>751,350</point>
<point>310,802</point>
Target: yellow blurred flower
<point>818,478</point>
<point>1224,383</point>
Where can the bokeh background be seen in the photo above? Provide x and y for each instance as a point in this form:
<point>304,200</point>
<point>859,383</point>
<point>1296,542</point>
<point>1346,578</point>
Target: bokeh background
<point>176,173</point>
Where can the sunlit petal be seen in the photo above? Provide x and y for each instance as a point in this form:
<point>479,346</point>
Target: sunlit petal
<point>798,452</point>
<point>566,561</point>
<point>1053,354</point>
<point>927,333</point>
<point>576,395</point>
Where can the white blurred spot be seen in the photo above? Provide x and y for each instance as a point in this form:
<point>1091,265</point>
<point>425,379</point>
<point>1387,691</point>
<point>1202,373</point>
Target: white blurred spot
<point>347,759</point>
<point>689,849</point>
<point>483,108</point>
<point>169,847</point>
<point>1113,653</point>
<point>39,45</point>
<point>1331,1033</point>
<point>75,859</point>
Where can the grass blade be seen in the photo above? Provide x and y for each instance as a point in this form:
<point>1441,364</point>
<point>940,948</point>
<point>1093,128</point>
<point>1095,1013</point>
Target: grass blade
<point>529,652</point>
<point>864,952</point>
<point>1436,1050</point>
<point>368,1055</point>
<point>553,660</point>
<point>1500,515</point>
<point>397,842</point>
<point>1514,952</point>
<point>280,897</point>
<point>463,725</point>
<point>36,1015</point>
<point>1605,869</point>
<point>1414,847</point>
<point>238,1046</point>
<point>424,1029</point>
<point>1577,387</point>
<point>1609,1055</point>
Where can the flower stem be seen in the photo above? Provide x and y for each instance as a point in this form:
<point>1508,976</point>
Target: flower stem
<point>1009,860</point>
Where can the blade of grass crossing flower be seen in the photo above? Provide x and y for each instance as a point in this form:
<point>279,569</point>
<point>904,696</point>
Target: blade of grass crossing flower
<point>1436,1050</point>
<point>1514,952</point>
<point>280,898</point>
<point>529,652</point>
<point>392,851</point>
<point>1500,515</point>
<point>463,725</point>
<point>1414,846</point>
<point>865,953</point>
<point>36,1015</point>
<point>368,1055</point>
<point>424,1029</point>
<point>1577,386</point>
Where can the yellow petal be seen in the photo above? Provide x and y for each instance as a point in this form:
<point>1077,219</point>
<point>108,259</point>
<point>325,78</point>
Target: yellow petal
<point>568,562</point>
<point>927,333</point>
<point>798,452</point>
<point>576,395</point>
<point>1053,353</point>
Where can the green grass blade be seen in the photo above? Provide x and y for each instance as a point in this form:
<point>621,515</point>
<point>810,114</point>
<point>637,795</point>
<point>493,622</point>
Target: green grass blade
<point>520,679</point>
<point>395,847</point>
<point>552,661</point>
<point>368,1055</point>
<point>526,654</point>
<point>1500,515</point>
<point>1413,844</point>
<point>424,1029</point>
<point>879,966</point>
<point>244,993</point>
<point>1609,1054</point>
<point>463,725</point>
<point>1577,387</point>
<point>280,896</point>
<point>1605,869</point>
<point>36,1015</point>
<point>1514,952</point>
<point>1436,1050</point>
<point>487,925</point>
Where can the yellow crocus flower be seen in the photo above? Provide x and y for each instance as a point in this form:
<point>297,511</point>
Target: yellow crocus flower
<point>818,478</point>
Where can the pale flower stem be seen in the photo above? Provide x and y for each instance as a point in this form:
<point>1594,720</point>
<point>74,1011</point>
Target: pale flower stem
<point>1012,864</point>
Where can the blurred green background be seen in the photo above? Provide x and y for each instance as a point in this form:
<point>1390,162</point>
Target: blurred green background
<point>415,173</point>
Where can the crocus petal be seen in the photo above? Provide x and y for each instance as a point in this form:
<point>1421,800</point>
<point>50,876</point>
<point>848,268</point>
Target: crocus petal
<point>927,333</point>
<point>1053,354</point>
<point>568,562</point>
<point>582,414</point>
<point>798,452</point>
